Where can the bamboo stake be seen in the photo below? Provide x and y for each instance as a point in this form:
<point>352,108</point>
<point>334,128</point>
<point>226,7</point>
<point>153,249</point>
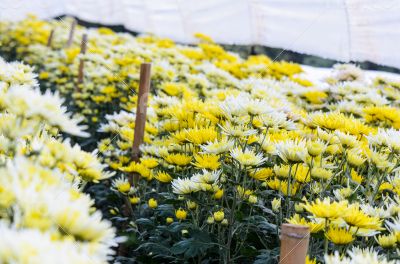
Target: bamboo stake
<point>50,39</point>
<point>141,110</point>
<point>71,34</point>
<point>81,61</point>
<point>294,244</point>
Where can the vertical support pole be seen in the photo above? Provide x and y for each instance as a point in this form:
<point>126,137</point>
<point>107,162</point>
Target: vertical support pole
<point>294,244</point>
<point>253,50</point>
<point>50,39</point>
<point>81,61</point>
<point>71,34</point>
<point>141,111</point>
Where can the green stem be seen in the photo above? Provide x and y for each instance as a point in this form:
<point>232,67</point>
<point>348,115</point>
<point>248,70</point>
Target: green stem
<point>326,239</point>
<point>289,191</point>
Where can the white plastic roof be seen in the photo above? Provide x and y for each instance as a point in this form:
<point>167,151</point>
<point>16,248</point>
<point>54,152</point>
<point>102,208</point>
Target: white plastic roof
<point>344,30</point>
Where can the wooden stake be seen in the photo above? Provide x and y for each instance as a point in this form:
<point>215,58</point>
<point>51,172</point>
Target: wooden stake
<point>50,39</point>
<point>294,244</point>
<point>141,110</point>
<point>81,61</point>
<point>84,43</point>
<point>71,33</point>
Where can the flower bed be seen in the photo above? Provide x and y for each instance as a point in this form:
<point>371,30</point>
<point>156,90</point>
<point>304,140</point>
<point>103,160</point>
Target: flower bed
<point>233,147</point>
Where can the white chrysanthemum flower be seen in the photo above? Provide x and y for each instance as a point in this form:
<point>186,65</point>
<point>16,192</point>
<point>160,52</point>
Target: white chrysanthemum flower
<point>247,157</point>
<point>206,176</point>
<point>277,120</point>
<point>183,186</point>
<point>16,73</point>
<point>347,72</point>
<point>217,147</point>
<point>157,151</point>
<point>369,98</point>
<point>367,255</point>
<point>349,107</point>
<point>213,72</point>
<point>386,137</point>
<point>347,140</point>
<point>380,212</point>
<point>45,199</point>
<point>35,246</point>
<point>11,127</point>
<point>121,184</point>
<point>237,131</point>
<point>395,225</point>
<point>358,256</point>
<point>30,103</point>
<point>336,259</point>
<point>243,104</point>
<point>165,101</point>
<point>291,151</point>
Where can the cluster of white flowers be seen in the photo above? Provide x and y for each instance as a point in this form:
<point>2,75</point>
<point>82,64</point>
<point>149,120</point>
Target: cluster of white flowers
<point>45,218</point>
<point>358,256</point>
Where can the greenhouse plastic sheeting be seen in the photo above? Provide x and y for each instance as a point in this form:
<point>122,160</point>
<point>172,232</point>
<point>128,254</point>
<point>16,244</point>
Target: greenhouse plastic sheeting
<point>345,30</point>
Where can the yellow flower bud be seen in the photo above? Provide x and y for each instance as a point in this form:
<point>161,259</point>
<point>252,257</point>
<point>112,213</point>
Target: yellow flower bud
<point>210,220</point>
<point>134,200</point>
<point>333,149</point>
<point>321,173</point>
<point>152,203</point>
<point>219,216</point>
<point>180,214</point>
<point>355,158</point>
<point>315,148</point>
<point>387,241</point>
<point>252,199</point>
<point>218,194</point>
<point>169,220</point>
<point>276,205</point>
<point>298,207</point>
<point>224,222</point>
<point>191,205</point>
<point>113,212</point>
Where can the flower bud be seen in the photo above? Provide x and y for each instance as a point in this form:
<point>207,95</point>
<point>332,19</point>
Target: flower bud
<point>252,199</point>
<point>219,216</point>
<point>180,214</point>
<point>191,205</point>
<point>276,205</point>
<point>134,200</point>
<point>152,203</point>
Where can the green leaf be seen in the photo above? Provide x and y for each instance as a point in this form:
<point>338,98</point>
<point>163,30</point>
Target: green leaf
<point>194,246</point>
<point>145,222</point>
<point>267,256</point>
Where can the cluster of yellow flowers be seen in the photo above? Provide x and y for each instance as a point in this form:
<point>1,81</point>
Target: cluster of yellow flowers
<point>44,215</point>
<point>112,63</point>
<point>228,139</point>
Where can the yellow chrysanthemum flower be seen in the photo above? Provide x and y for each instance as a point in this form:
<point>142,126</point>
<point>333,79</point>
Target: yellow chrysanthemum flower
<point>207,162</point>
<point>178,159</point>
<point>180,214</point>
<point>353,216</point>
<point>315,227</point>
<point>387,241</point>
<point>339,236</point>
<point>262,174</point>
<point>326,208</point>
<point>163,177</point>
